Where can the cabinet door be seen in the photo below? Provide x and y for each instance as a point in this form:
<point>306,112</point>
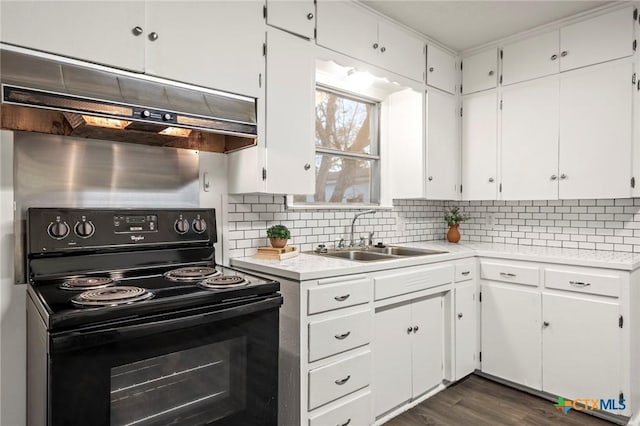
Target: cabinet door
<point>531,58</point>
<point>530,136</point>
<point>198,42</point>
<point>401,52</point>
<point>595,131</point>
<point>392,358</point>
<point>480,71</point>
<point>96,31</point>
<point>581,347</point>
<point>405,145</point>
<point>511,334</point>
<point>290,114</point>
<point>479,146</point>
<point>441,69</point>
<point>297,17</point>
<point>427,344</point>
<point>443,146</point>
<point>348,29</point>
<point>465,329</point>
<point>603,38</point>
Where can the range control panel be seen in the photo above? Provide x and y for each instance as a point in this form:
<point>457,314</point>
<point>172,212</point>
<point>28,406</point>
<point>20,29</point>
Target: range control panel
<point>52,230</point>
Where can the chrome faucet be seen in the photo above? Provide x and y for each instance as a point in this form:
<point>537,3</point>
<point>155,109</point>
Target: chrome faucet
<point>353,223</point>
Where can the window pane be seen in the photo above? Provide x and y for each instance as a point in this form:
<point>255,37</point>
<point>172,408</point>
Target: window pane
<point>344,180</point>
<point>344,123</point>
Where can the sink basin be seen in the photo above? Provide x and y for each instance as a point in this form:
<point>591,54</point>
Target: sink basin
<point>373,254</point>
<point>403,251</point>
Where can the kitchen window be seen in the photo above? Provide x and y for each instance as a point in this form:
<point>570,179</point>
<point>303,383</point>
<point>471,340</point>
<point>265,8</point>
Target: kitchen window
<point>347,150</point>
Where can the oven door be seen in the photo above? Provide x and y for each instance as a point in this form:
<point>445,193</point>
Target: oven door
<point>215,367</point>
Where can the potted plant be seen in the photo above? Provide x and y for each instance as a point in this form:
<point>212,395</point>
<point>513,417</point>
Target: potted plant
<point>278,236</point>
<point>454,218</point>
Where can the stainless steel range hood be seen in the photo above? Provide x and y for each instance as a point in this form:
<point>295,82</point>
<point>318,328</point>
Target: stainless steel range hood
<point>52,94</point>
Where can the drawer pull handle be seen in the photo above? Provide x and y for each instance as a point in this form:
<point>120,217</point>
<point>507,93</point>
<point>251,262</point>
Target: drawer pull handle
<point>579,284</point>
<point>465,273</point>
<point>342,298</point>
<point>342,381</point>
<point>342,336</point>
<point>507,274</point>
<point>345,423</point>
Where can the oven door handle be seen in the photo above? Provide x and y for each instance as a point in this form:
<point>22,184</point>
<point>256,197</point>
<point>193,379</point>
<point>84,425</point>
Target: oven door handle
<point>74,340</point>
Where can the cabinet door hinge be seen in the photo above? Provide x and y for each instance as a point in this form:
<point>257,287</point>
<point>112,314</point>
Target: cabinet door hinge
<point>500,190</point>
<point>501,53</point>
<point>480,356</point>
<point>461,188</point>
<point>635,14</point>
<point>260,80</point>
<point>500,78</point>
<point>633,182</point>
<point>264,11</point>
<point>264,173</point>
<point>460,109</point>
<point>633,78</point>
<point>460,65</point>
<point>264,49</point>
<point>461,88</point>
<point>635,45</point>
<point>621,397</point>
<point>315,33</point>
<point>620,321</point>
<point>480,297</point>
<point>500,103</point>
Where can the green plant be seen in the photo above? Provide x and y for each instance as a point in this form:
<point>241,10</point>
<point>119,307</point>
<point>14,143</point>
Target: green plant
<point>278,232</point>
<point>454,217</point>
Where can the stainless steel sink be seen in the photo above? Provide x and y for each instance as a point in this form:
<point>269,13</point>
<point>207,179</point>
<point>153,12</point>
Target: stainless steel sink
<point>373,254</point>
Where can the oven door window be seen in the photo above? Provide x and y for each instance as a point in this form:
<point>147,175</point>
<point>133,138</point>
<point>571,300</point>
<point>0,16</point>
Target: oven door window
<point>194,386</point>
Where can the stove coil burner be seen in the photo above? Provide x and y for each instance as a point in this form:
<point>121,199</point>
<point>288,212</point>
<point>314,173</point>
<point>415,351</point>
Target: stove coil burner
<point>111,296</point>
<point>192,273</point>
<point>86,283</point>
<point>227,281</point>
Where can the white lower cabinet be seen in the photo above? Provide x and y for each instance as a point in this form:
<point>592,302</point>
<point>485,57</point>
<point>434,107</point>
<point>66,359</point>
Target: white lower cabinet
<point>465,328</point>
<point>409,337</point>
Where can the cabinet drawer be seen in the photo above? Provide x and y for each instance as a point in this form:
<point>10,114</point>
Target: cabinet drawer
<point>339,334</point>
<point>394,284</point>
<point>465,271</point>
<point>336,380</point>
<point>590,282</point>
<point>354,412</point>
<point>340,295</point>
<point>510,272</point>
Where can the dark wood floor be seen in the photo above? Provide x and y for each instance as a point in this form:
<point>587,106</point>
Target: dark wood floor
<point>476,401</point>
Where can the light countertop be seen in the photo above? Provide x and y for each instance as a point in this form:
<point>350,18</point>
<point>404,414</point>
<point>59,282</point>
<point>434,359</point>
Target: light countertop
<point>311,266</point>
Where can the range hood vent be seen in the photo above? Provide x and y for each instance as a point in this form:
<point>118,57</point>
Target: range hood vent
<point>50,94</point>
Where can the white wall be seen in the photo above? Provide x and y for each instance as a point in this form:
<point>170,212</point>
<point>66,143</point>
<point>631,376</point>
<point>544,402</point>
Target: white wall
<point>12,303</point>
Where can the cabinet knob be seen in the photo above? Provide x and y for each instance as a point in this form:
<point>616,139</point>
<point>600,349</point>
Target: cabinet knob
<point>375,45</point>
<point>307,166</point>
<point>416,328</point>
<point>153,36</point>
<point>460,315</point>
<point>545,324</point>
<point>383,49</point>
<point>564,53</point>
<point>554,57</point>
<point>491,72</point>
<point>137,31</point>
<point>430,178</point>
<point>309,16</point>
<point>554,177</point>
<point>491,180</point>
<point>563,176</point>
<point>430,69</point>
<point>409,330</point>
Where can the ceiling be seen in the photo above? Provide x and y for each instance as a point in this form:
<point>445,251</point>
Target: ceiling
<point>461,25</point>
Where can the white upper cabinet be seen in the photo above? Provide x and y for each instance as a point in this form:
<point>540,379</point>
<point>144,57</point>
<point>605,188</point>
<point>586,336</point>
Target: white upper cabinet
<point>599,39</point>
<point>199,42</point>
<point>296,17</point>
<point>531,58</point>
<point>479,146</point>
<point>595,131</point>
<point>443,146</point>
<point>530,140</point>
<point>441,69</point>
<point>111,33</point>
<point>480,71</point>
<point>405,145</point>
<point>347,28</point>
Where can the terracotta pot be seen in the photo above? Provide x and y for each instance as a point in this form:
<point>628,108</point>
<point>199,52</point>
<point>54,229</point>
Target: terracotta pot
<point>453,236</point>
<point>280,243</point>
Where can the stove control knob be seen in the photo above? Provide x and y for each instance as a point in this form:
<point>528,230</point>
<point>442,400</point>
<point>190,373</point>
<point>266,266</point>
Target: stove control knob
<point>84,229</point>
<point>181,226</point>
<point>58,230</point>
<point>199,225</point>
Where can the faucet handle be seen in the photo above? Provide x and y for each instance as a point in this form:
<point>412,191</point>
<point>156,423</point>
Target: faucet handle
<point>362,242</point>
<point>340,244</point>
<point>370,242</point>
